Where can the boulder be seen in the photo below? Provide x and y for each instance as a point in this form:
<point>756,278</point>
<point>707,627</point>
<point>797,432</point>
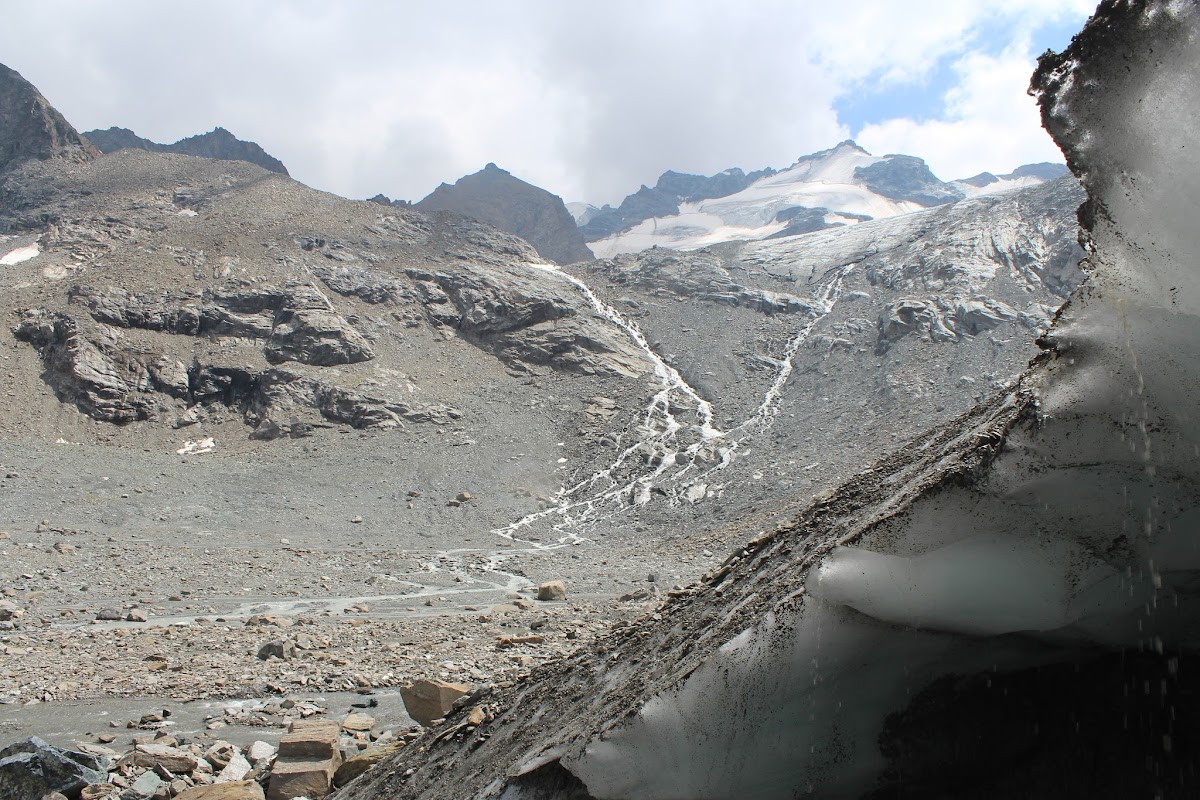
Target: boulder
<point>311,779</point>
<point>283,649</point>
<point>32,768</point>
<point>427,700</point>
<point>362,762</point>
<point>153,755</point>
<point>552,590</point>
<point>310,740</point>
<point>240,790</point>
<point>144,787</point>
<point>358,722</point>
<point>237,769</point>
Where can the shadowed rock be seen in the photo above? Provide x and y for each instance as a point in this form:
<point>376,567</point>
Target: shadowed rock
<point>31,128</point>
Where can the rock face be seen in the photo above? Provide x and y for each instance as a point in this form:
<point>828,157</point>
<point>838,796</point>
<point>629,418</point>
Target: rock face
<point>906,178</point>
<point>30,128</point>
<point>217,143</point>
<point>494,196</point>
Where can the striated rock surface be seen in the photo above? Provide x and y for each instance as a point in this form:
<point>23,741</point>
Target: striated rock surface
<point>494,196</point>
<point>30,128</point>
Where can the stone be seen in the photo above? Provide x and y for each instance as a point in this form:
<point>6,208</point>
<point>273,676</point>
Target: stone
<point>219,754</point>
<point>144,787</point>
<point>259,750</point>
<point>98,791</point>
<point>237,769</point>
<point>283,649</point>
<point>137,615</point>
<point>552,590</point>
<point>310,740</point>
<point>33,768</point>
<point>241,790</point>
<point>311,779</point>
<point>353,767</point>
<point>110,615</point>
<point>427,700</point>
<point>170,758</point>
<point>358,722</point>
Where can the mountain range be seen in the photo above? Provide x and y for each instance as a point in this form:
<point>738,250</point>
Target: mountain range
<point>230,396</point>
<point>217,143</point>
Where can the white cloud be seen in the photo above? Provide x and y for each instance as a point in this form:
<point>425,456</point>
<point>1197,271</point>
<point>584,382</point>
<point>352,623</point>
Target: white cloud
<point>990,123</point>
<point>587,100</point>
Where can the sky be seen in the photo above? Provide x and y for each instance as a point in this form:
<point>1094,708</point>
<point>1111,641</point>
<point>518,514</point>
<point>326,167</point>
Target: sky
<point>588,100</point>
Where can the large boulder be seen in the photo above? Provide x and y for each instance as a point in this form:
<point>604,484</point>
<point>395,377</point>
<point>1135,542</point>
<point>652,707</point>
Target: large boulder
<point>32,768</point>
<point>427,700</point>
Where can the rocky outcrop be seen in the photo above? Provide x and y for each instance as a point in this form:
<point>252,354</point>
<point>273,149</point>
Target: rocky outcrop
<point>701,275</point>
<point>297,321</point>
<point>105,381</point>
<point>527,317</point>
<point>906,178</point>
<point>217,143</point>
<point>947,319</point>
<point>494,196</point>
<point>31,128</point>
<point>120,384</point>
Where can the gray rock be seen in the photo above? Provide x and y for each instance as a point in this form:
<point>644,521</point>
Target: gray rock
<point>143,787</point>
<point>526,317</point>
<point>32,768</point>
<point>283,649</point>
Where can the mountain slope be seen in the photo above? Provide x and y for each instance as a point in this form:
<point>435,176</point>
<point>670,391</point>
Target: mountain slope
<point>217,143</point>
<point>494,196</point>
<point>672,189</point>
<point>30,128</point>
<point>840,186</point>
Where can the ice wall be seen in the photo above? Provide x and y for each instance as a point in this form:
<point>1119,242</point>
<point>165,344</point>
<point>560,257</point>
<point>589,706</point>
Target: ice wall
<point>1081,541</point>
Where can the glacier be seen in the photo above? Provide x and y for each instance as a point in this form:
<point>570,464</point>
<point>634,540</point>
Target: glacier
<point>1008,606</point>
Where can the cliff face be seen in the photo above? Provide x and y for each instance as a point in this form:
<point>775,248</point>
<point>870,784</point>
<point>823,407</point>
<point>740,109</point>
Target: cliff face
<point>494,196</point>
<point>217,143</point>
<point>31,128</point>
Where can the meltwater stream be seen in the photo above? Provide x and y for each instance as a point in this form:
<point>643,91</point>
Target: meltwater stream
<point>677,444</point>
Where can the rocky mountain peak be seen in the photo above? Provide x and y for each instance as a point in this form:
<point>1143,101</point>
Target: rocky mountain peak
<point>218,143</point>
<point>31,128</point>
<point>493,195</point>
